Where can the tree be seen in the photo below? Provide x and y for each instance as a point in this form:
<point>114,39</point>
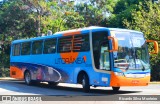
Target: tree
<point>13,20</point>
<point>72,18</point>
<point>27,18</point>
<point>96,12</point>
<point>37,9</point>
<point>123,10</point>
<point>14,24</point>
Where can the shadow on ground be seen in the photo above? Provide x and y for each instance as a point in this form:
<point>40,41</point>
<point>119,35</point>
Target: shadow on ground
<point>44,86</point>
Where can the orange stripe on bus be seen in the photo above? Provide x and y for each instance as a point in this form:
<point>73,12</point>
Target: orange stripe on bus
<point>117,81</point>
<point>16,73</point>
<point>69,57</point>
<point>72,33</point>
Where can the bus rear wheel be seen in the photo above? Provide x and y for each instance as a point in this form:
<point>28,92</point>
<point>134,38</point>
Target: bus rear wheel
<point>27,77</point>
<point>85,83</point>
<point>115,89</point>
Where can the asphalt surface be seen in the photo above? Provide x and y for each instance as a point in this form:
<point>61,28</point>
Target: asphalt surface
<point>73,91</point>
<point>16,87</point>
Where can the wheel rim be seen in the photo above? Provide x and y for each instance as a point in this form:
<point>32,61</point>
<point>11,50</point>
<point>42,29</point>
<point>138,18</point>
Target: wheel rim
<point>83,82</point>
<point>28,78</point>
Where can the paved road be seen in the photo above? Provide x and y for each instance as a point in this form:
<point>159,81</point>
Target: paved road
<point>16,87</point>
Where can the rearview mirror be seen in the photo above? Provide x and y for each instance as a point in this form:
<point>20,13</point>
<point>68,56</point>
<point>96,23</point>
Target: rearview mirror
<point>155,46</point>
<point>114,43</point>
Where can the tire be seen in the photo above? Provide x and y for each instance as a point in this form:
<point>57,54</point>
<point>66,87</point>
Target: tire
<point>115,89</point>
<point>85,83</point>
<point>27,77</point>
<point>53,83</point>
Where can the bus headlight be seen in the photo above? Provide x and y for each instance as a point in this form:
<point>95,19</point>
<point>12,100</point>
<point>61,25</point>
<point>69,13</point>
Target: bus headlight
<point>148,74</point>
<point>119,73</point>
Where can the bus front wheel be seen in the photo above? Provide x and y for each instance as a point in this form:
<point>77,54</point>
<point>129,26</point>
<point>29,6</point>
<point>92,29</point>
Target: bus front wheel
<point>85,83</point>
<point>115,88</point>
<point>28,80</point>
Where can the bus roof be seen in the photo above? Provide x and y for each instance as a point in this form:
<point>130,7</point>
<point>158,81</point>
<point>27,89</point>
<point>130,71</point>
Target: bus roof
<point>60,34</point>
<point>97,28</point>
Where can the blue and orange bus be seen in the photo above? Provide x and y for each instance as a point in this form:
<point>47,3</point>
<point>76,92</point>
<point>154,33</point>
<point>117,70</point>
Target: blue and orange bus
<point>92,56</point>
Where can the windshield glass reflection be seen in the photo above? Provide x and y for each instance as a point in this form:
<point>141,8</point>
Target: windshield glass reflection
<point>132,51</point>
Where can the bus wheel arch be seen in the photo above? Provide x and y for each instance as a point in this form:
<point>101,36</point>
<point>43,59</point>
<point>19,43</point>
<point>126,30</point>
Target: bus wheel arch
<point>53,83</point>
<point>83,79</point>
<point>27,77</point>
<point>115,89</point>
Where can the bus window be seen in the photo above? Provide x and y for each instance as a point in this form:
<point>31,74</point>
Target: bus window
<point>49,46</point>
<point>16,49</point>
<point>104,56</point>
<point>100,50</point>
<point>65,44</point>
<point>81,43</point>
<point>37,47</point>
<point>26,48</point>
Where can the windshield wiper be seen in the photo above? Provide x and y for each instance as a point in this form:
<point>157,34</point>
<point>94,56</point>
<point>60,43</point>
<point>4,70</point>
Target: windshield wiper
<point>134,56</point>
<point>127,67</point>
<point>143,68</point>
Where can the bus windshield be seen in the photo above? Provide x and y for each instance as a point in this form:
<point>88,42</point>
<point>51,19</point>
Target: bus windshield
<point>132,51</point>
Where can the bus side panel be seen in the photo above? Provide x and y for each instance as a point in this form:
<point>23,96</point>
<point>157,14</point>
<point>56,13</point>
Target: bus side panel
<point>16,72</point>
<point>95,78</point>
<point>104,79</point>
<point>99,78</point>
<point>82,63</point>
<point>39,72</point>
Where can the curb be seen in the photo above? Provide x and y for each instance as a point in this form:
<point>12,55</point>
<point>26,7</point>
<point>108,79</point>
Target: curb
<point>154,82</point>
<point>7,78</point>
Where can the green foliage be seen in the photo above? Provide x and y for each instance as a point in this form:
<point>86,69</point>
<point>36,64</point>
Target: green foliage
<point>13,20</point>
<point>123,10</point>
<point>4,72</point>
<point>96,12</point>
<point>29,18</point>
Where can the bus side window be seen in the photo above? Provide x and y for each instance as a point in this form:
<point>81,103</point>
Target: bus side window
<point>26,48</point>
<point>16,49</point>
<point>37,47</point>
<point>65,44</point>
<point>81,43</point>
<point>49,46</point>
<point>104,56</point>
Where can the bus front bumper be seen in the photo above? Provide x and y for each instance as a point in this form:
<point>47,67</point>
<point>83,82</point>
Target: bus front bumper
<point>117,81</point>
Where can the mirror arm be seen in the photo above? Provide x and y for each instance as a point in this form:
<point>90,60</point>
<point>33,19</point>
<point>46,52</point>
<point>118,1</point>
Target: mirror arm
<point>155,46</point>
